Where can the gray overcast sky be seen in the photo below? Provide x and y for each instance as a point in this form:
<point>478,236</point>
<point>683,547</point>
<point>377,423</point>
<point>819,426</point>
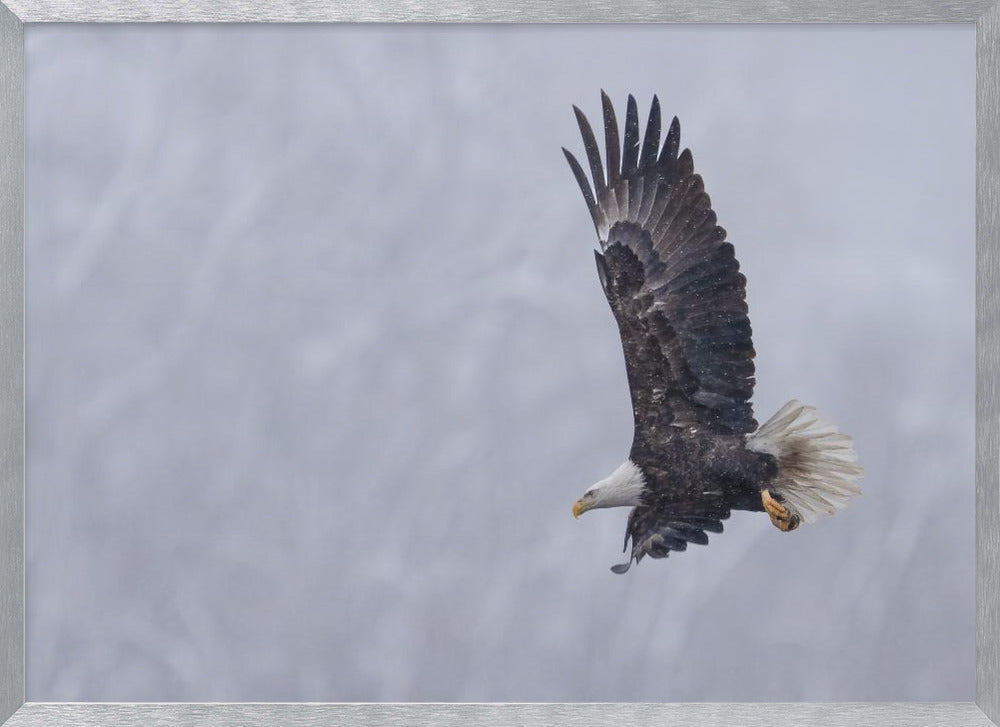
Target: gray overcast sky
<point>318,363</point>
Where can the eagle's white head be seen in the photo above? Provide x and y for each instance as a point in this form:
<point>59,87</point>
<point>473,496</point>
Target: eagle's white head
<point>622,488</point>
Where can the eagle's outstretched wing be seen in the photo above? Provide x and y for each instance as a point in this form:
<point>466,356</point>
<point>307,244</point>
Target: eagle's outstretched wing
<point>672,281</point>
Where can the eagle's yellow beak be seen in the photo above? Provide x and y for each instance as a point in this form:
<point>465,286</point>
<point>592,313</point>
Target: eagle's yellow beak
<point>580,507</point>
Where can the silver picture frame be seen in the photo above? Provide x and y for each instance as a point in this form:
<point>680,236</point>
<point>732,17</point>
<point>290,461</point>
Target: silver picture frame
<point>14,14</point>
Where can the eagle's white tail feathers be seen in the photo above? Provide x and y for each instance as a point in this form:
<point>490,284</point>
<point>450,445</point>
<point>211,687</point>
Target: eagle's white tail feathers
<point>817,466</point>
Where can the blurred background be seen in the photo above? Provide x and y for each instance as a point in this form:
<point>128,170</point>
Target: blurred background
<point>318,363</point>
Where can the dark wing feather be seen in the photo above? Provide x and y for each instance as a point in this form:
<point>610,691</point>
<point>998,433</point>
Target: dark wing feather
<point>672,281</point>
<point>657,529</point>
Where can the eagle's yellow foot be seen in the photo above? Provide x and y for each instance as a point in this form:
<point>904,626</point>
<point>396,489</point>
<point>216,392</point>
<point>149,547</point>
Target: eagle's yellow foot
<point>783,518</point>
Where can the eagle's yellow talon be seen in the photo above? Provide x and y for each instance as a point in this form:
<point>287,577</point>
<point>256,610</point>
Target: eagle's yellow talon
<point>781,517</point>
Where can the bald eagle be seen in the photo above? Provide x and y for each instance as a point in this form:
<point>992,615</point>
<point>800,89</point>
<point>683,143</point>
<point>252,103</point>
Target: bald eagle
<point>678,297</point>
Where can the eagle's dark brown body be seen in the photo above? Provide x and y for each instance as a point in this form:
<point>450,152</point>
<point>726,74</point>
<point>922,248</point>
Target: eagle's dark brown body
<point>694,468</point>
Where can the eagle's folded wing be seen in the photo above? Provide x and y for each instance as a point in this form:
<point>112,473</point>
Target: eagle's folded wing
<point>658,529</point>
